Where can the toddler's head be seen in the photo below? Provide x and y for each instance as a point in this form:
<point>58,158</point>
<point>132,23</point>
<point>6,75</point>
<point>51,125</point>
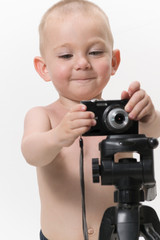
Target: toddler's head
<point>76,46</point>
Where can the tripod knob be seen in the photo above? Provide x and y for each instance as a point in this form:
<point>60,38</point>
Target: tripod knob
<point>153,142</point>
<point>95,170</point>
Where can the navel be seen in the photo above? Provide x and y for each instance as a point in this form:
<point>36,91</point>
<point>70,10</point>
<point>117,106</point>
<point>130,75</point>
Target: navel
<point>90,231</point>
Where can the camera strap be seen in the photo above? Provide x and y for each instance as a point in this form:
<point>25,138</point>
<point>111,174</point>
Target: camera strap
<point>84,221</point>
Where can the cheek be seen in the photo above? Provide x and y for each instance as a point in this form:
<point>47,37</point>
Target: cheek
<point>104,69</point>
<point>60,73</point>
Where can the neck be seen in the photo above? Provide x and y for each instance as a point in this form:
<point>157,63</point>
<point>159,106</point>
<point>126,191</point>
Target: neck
<point>69,103</point>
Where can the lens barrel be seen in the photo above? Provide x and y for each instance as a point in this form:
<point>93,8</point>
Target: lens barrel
<point>116,119</point>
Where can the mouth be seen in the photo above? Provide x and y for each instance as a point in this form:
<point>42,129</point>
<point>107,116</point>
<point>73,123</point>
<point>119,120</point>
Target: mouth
<point>82,79</point>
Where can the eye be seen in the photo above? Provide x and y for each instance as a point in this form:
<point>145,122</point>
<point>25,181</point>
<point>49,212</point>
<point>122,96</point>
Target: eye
<point>66,56</point>
<point>96,53</point>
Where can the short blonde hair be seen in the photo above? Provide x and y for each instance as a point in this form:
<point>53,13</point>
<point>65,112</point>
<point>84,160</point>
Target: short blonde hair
<point>67,7</point>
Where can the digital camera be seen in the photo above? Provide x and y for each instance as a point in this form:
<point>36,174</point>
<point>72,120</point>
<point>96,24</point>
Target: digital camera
<point>111,118</point>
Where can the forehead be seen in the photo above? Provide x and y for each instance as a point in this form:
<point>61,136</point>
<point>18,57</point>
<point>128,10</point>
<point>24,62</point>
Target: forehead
<point>77,23</point>
<point>73,19</point>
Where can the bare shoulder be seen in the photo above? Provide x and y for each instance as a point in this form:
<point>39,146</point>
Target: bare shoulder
<point>36,113</point>
<point>43,118</point>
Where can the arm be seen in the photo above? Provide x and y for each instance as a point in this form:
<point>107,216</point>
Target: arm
<point>141,108</point>
<point>41,144</point>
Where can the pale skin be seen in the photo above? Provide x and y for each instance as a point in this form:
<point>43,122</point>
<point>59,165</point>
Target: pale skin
<point>79,64</point>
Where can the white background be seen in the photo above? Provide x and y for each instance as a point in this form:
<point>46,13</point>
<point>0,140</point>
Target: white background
<point>136,29</point>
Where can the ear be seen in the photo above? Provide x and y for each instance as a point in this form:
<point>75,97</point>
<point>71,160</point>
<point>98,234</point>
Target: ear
<point>115,61</point>
<point>41,68</point>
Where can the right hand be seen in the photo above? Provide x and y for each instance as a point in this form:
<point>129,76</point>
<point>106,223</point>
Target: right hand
<point>75,123</point>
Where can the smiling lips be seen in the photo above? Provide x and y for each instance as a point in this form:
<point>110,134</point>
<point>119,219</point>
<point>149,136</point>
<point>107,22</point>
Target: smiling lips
<point>82,79</point>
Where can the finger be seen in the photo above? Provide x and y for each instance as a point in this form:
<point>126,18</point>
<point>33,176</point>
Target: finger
<point>81,115</point>
<point>124,95</point>
<point>146,113</point>
<point>142,115</point>
<point>137,97</point>
<point>79,123</point>
<point>134,86</point>
<point>139,109</point>
<point>78,107</point>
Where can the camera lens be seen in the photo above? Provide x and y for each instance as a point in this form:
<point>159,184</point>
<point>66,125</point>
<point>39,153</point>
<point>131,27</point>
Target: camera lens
<point>119,118</point>
<point>116,119</point>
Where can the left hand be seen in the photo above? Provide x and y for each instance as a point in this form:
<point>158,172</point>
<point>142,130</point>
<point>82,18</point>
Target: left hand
<point>139,106</point>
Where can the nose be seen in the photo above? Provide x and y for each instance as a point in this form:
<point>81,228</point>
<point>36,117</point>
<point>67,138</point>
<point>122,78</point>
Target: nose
<point>82,63</point>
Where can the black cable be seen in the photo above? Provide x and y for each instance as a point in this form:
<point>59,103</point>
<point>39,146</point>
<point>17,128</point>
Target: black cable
<point>84,221</point>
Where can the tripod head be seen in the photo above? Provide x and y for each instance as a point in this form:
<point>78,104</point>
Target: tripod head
<point>129,174</point>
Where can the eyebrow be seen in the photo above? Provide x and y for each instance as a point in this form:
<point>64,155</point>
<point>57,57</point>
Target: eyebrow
<point>97,40</point>
<point>61,46</point>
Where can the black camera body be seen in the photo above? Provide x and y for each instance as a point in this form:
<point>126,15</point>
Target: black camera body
<point>111,118</point>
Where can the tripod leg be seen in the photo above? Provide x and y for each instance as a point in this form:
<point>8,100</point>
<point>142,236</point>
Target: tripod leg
<point>149,233</point>
<point>107,227</point>
<point>128,223</point>
<point>149,216</point>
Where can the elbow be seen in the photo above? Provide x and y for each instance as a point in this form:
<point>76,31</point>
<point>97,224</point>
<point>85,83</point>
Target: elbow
<point>27,155</point>
<point>32,157</point>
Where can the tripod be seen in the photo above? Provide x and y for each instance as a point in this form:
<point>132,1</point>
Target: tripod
<point>135,183</point>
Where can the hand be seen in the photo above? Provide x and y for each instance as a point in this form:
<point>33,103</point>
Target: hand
<point>140,106</point>
<point>76,122</point>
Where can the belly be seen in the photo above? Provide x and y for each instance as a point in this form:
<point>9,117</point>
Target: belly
<point>61,207</point>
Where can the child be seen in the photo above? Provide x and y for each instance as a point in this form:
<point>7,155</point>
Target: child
<point>77,55</point>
